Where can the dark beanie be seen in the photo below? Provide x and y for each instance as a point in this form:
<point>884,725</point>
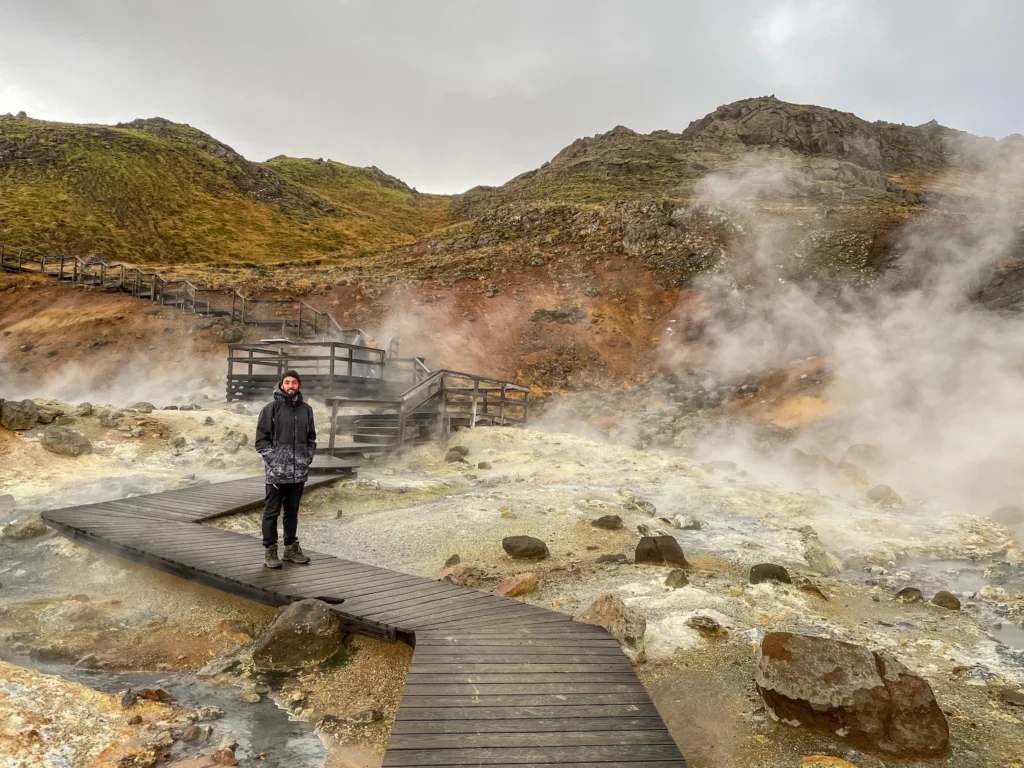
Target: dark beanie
<point>293,374</point>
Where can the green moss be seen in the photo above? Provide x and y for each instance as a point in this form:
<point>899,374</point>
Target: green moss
<point>157,191</point>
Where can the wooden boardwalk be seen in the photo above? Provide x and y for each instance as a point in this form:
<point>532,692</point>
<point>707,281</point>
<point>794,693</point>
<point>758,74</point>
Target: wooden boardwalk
<point>494,682</point>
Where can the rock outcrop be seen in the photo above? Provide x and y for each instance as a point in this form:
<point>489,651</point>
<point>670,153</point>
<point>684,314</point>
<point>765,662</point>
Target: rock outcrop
<point>301,635</point>
<point>624,624</point>
<point>869,698</point>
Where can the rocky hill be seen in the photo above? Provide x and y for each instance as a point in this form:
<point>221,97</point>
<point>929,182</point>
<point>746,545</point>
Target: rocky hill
<point>153,190</point>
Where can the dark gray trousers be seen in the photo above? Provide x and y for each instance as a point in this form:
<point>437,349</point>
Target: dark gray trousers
<point>287,496</point>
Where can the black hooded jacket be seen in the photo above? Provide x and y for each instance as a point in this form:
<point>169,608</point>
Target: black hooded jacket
<point>286,438</point>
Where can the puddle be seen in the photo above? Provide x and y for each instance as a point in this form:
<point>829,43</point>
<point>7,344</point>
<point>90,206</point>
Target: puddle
<point>1010,635</point>
<point>260,727</point>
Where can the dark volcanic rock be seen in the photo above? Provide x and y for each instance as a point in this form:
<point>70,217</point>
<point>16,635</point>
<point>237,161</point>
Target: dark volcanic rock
<point>302,634</point>
<point>676,579</point>
<point>769,572</point>
<point>870,698</point>
<point>910,595</point>
<point>65,441</point>
<point>659,550</point>
<point>19,415</point>
<point>612,559</point>
<point>525,547</point>
<point>608,523</point>
<point>946,599</point>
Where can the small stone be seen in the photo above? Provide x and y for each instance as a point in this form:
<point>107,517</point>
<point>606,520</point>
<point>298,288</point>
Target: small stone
<point>705,624</point>
<point>232,335</point>
<point>618,559</point>
<point>688,523</point>
<point>632,503</point>
<point>249,697</point>
<point>302,634</point>
<point>909,595</point>
<point>520,584</point>
<point>769,572</point>
<point>659,550</point>
<point>465,575</point>
<point>365,716</point>
<point>83,409</point>
<point>945,599</point>
<point>155,694</point>
<point>142,407</point>
<point>454,457</point>
<point>608,523</point>
<point>461,450</point>
<point>227,743</point>
<point>191,734</point>
<point>208,421</point>
<point>452,561</point>
<point>128,698</point>
<point>812,589</point>
<point>208,712</point>
<point>177,441</point>
<point>525,547</point>
<point>225,757</point>
<point>1012,696</point>
<point>676,579</point>
<point>170,407</point>
<point>134,719</point>
<point>25,529</point>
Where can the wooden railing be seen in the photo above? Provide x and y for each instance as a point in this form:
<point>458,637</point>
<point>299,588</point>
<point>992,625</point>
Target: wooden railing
<point>440,399</point>
<point>325,367</point>
<point>295,319</point>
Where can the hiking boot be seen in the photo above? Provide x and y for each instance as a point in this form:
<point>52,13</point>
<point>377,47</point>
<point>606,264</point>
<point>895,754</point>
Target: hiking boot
<point>293,553</point>
<point>270,559</point>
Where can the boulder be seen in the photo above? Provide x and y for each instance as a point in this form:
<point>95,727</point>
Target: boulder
<point>142,407</point>
<point>459,449</point>
<point>454,456</point>
<point>945,599</point>
<point>910,595</point>
<point>19,415</point>
<point>608,523</point>
<point>635,503</point>
<point>525,547</point>
<point>83,409</point>
<point>231,335</point>
<point>817,556</point>
<point>65,441</point>
<point>302,634</point>
<point>520,584</point>
<point>769,572</point>
<point>676,579</point>
<point>706,625</point>
<point>884,496</point>
<point>659,550</point>
<point>869,698</point>
<point>687,523</point>
<point>623,623</point>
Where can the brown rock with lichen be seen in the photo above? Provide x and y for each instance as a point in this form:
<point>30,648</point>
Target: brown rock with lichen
<point>869,698</point>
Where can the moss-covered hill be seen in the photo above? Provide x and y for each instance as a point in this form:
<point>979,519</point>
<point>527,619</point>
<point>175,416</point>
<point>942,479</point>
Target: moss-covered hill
<point>153,190</point>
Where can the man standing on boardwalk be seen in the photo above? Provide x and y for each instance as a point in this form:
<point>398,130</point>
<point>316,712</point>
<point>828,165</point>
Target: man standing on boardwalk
<point>286,439</point>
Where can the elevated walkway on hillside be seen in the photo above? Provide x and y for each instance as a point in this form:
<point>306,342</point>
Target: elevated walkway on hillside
<point>494,682</point>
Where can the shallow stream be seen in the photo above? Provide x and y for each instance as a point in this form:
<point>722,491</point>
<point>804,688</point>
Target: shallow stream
<point>259,727</point>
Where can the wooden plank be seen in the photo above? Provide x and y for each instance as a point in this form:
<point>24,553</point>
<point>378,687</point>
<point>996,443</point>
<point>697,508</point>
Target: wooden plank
<point>628,753</point>
<point>515,738</point>
<point>404,727</point>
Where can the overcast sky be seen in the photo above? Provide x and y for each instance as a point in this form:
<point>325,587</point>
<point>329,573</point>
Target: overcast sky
<point>450,94</point>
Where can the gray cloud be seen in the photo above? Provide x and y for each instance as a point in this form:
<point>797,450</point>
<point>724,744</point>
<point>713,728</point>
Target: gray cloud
<point>456,93</point>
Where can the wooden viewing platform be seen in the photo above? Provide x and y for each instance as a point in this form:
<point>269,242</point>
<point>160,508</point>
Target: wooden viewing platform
<point>494,682</point>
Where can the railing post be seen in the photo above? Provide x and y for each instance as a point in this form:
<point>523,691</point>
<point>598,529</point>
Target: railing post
<point>526,408</point>
<point>472,407</point>
<point>300,322</point>
<point>501,407</point>
<point>401,426</point>
<point>243,320</point>
<point>334,425</point>
<point>350,362</point>
<point>446,424</point>
<point>42,263</point>
<point>21,256</point>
